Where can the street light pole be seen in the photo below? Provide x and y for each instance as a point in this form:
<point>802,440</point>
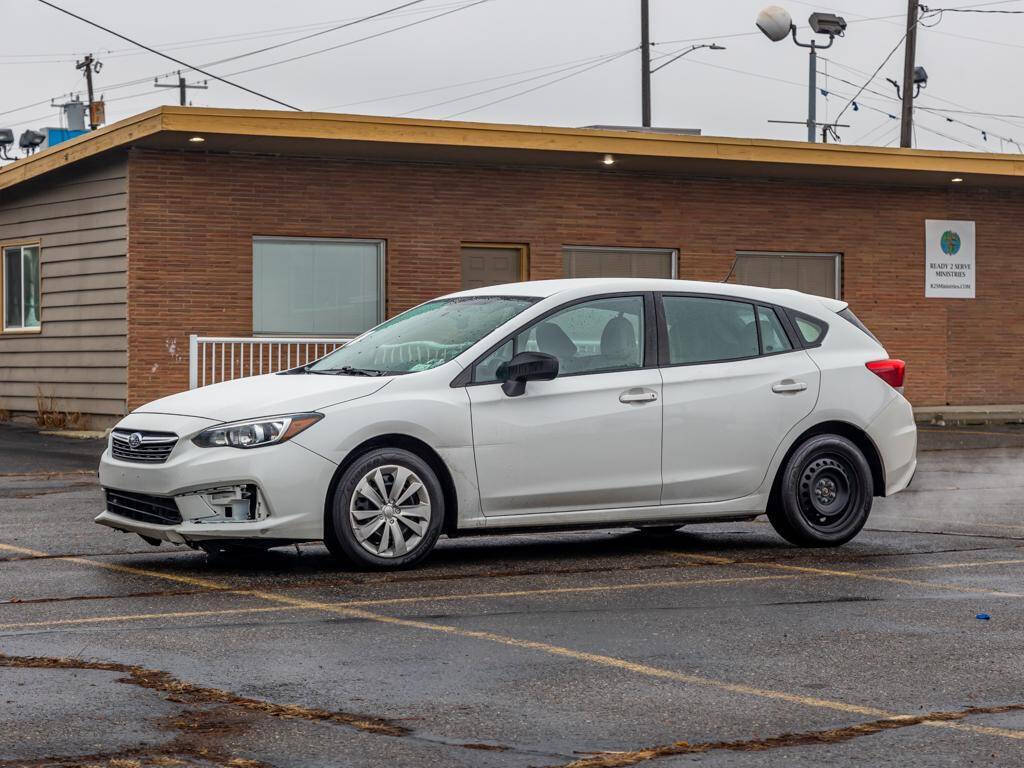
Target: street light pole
<point>645,63</point>
<point>812,92</point>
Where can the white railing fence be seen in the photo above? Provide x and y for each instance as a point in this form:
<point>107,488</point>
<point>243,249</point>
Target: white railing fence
<point>212,359</point>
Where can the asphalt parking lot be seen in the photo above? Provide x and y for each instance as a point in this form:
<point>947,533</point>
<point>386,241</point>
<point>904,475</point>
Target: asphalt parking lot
<point>716,645</point>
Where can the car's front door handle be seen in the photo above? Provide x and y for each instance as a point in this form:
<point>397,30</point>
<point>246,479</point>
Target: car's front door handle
<point>638,396</point>
<point>788,385</point>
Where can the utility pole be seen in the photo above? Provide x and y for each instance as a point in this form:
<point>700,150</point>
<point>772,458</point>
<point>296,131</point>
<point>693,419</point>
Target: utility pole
<point>89,64</point>
<point>182,87</point>
<point>645,62</point>
<point>909,51</point>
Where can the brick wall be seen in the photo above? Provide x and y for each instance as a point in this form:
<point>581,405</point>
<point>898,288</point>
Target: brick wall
<point>192,218</point>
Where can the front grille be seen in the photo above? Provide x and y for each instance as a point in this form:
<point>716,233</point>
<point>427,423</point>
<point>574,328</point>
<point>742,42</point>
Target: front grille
<point>151,447</point>
<point>143,507</point>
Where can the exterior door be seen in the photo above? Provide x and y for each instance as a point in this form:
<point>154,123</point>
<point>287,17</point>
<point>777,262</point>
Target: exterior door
<point>484,265</point>
<point>590,438</point>
<point>733,388</point>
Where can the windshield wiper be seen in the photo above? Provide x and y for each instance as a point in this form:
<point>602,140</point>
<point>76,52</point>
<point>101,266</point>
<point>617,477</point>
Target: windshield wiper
<point>348,370</point>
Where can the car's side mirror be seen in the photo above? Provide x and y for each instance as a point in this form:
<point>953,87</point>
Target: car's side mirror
<point>524,367</point>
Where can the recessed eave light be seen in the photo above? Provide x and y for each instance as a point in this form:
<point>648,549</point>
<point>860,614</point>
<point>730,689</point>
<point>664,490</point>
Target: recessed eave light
<point>608,160</point>
<point>196,139</point>
<point>956,179</point>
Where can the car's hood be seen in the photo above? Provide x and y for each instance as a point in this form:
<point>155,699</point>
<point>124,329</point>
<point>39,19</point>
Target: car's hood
<point>269,395</point>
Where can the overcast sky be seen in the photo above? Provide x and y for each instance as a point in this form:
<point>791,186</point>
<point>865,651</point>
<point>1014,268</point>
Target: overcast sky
<point>972,61</point>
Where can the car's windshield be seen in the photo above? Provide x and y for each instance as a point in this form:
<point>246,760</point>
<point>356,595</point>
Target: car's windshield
<point>424,337</point>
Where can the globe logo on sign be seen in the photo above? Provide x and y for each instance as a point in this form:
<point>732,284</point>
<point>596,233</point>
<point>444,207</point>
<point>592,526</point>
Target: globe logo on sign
<point>950,242</point>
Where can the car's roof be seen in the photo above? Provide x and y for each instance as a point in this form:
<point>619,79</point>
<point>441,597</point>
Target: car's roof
<point>578,287</point>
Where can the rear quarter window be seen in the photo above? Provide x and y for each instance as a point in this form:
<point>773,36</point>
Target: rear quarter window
<point>811,330</point>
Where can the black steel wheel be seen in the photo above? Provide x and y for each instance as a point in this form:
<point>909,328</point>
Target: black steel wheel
<point>825,494</point>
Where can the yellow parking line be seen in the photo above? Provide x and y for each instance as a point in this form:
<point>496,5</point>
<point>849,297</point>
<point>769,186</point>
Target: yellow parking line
<point>555,650</point>
<point>465,596</point>
<point>676,583</point>
<point>869,575</point>
<point>942,566</point>
<point>143,617</point>
<point>946,431</point>
<point>1010,527</point>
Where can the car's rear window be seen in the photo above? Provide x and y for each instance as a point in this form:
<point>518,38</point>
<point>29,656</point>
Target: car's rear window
<point>847,314</point>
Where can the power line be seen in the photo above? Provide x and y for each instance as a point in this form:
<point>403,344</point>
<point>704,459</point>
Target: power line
<point>319,33</point>
<point>519,82</point>
<point>877,70</point>
<point>936,110</point>
<point>139,81</point>
<point>465,82</point>
<point>462,7</point>
<point>542,85</point>
<point>168,56</point>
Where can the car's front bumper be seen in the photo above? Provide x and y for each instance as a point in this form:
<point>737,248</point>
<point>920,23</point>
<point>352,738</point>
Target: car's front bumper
<point>290,482</point>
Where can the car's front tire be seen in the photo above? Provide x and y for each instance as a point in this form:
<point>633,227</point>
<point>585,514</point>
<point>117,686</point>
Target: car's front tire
<point>824,495</point>
<point>387,511</point>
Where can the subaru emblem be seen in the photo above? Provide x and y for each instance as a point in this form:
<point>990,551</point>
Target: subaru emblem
<point>134,440</point>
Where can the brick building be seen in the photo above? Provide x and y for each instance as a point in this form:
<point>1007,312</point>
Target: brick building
<point>121,244</point>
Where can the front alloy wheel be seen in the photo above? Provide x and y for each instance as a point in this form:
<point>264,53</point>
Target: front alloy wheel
<point>387,511</point>
<point>390,511</point>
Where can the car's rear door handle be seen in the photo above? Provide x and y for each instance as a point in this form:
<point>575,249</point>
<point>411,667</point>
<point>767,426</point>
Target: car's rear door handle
<point>638,396</point>
<point>788,385</point>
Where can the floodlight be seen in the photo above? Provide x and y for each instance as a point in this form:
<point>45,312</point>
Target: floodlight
<point>31,139</point>
<point>827,24</point>
<point>775,22</point>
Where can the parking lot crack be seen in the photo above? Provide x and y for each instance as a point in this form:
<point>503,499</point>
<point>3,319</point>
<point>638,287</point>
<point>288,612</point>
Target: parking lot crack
<point>802,739</point>
<point>193,694</point>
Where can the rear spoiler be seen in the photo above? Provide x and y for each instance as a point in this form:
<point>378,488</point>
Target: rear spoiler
<point>832,305</point>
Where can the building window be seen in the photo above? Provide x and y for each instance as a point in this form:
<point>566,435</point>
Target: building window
<point>590,261</point>
<point>486,264</point>
<point>21,287</point>
<point>311,286</point>
<point>817,273</point>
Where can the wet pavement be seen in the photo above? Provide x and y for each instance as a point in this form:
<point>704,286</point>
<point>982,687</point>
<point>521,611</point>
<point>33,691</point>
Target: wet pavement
<point>716,645</point>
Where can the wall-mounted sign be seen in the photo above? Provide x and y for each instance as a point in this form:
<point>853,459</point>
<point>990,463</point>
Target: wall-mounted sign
<point>949,269</point>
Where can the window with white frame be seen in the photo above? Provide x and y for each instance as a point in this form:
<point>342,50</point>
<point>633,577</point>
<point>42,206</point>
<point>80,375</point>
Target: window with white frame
<point>598,261</point>
<point>316,287</point>
<point>21,293</point>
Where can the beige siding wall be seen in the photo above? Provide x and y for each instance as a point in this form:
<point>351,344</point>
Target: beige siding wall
<point>79,358</point>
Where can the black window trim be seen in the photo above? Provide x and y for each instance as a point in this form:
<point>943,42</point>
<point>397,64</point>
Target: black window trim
<point>792,315</point>
<point>651,339</point>
<point>664,355</point>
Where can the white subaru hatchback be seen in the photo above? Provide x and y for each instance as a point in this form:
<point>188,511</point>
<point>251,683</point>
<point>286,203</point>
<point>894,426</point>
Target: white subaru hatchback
<point>554,404</point>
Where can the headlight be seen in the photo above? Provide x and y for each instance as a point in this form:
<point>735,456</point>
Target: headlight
<point>256,432</point>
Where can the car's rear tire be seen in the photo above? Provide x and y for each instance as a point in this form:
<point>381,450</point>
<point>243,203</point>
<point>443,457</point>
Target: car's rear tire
<point>824,494</point>
<point>387,511</point>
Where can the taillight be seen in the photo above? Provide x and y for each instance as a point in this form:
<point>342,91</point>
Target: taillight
<point>889,371</point>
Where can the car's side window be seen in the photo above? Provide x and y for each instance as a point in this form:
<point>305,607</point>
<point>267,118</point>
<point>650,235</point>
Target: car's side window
<point>705,330</point>
<point>773,337</point>
<point>601,335</point>
<point>487,369</point>
<point>810,330</point>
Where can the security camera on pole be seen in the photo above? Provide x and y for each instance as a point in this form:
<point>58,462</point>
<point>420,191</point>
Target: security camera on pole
<point>777,25</point>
